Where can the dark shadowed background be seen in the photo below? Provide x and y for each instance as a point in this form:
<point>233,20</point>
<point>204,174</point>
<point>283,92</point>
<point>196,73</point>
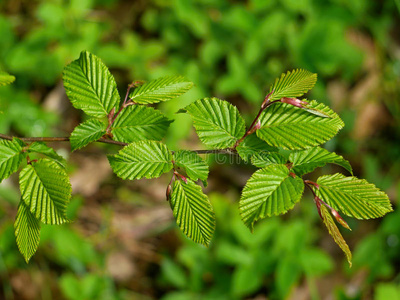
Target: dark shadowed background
<point>123,243</point>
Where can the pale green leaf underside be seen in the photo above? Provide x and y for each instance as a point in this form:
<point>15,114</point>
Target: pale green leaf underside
<point>289,127</point>
<point>10,157</point>
<point>87,132</point>
<point>354,197</point>
<point>308,160</point>
<point>137,123</point>
<point>46,190</point>
<point>144,159</point>
<point>252,145</point>
<point>193,211</point>
<point>6,78</point>
<point>293,84</point>
<point>270,191</point>
<point>90,85</point>
<point>335,233</point>
<point>192,163</point>
<point>27,231</point>
<point>161,89</point>
<point>263,159</point>
<point>217,122</point>
<point>42,148</point>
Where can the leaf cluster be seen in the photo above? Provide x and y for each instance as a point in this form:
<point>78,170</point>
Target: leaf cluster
<point>45,189</point>
<point>283,142</point>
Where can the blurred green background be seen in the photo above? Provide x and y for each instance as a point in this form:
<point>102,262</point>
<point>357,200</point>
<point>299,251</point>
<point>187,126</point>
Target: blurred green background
<point>123,243</point>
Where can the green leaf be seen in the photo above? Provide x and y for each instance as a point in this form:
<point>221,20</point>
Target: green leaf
<point>193,211</point>
<point>6,78</point>
<point>270,191</point>
<point>289,127</point>
<point>354,197</point>
<point>288,272</point>
<point>46,190</point>
<point>144,159</point>
<point>308,160</point>
<point>384,291</point>
<point>293,84</point>
<point>315,262</point>
<point>192,163</point>
<point>334,232</point>
<point>246,279</point>
<point>161,89</point>
<point>251,145</point>
<point>173,273</point>
<point>205,183</point>
<point>42,148</point>
<point>87,132</point>
<point>137,123</point>
<point>217,122</point>
<point>27,231</point>
<point>90,85</point>
<point>11,156</point>
<point>263,159</point>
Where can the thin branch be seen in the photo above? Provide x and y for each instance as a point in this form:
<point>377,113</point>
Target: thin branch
<point>252,128</point>
<point>112,116</point>
<point>311,186</point>
<point>56,139</point>
<point>214,151</point>
<point>307,183</point>
<point>106,141</point>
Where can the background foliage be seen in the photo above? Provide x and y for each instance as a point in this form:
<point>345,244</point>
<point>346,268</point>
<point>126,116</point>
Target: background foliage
<point>123,243</point>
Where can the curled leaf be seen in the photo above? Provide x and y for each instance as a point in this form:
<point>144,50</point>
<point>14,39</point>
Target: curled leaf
<point>335,233</point>
<point>339,219</point>
<point>294,101</point>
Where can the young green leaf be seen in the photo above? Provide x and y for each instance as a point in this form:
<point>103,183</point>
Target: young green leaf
<point>334,232</point>
<point>252,145</point>
<point>42,148</point>
<point>193,211</point>
<point>192,163</point>
<point>27,231</point>
<point>137,123</point>
<point>263,159</point>
<point>6,78</point>
<point>46,190</point>
<point>354,197</point>
<point>87,132</point>
<point>270,191</point>
<point>144,159</point>
<point>289,127</point>
<point>293,84</point>
<point>308,160</point>
<point>217,122</point>
<point>161,89</point>
<point>11,156</point>
<point>90,85</point>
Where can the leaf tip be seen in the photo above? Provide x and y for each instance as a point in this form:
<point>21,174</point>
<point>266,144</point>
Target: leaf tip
<point>350,264</point>
<point>251,226</point>
<point>27,258</point>
<point>206,243</point>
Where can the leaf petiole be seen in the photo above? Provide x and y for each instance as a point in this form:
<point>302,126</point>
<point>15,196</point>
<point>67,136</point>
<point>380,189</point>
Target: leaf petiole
<point>256,122</point>
<point>112,116</point>
<point>180,176</point>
